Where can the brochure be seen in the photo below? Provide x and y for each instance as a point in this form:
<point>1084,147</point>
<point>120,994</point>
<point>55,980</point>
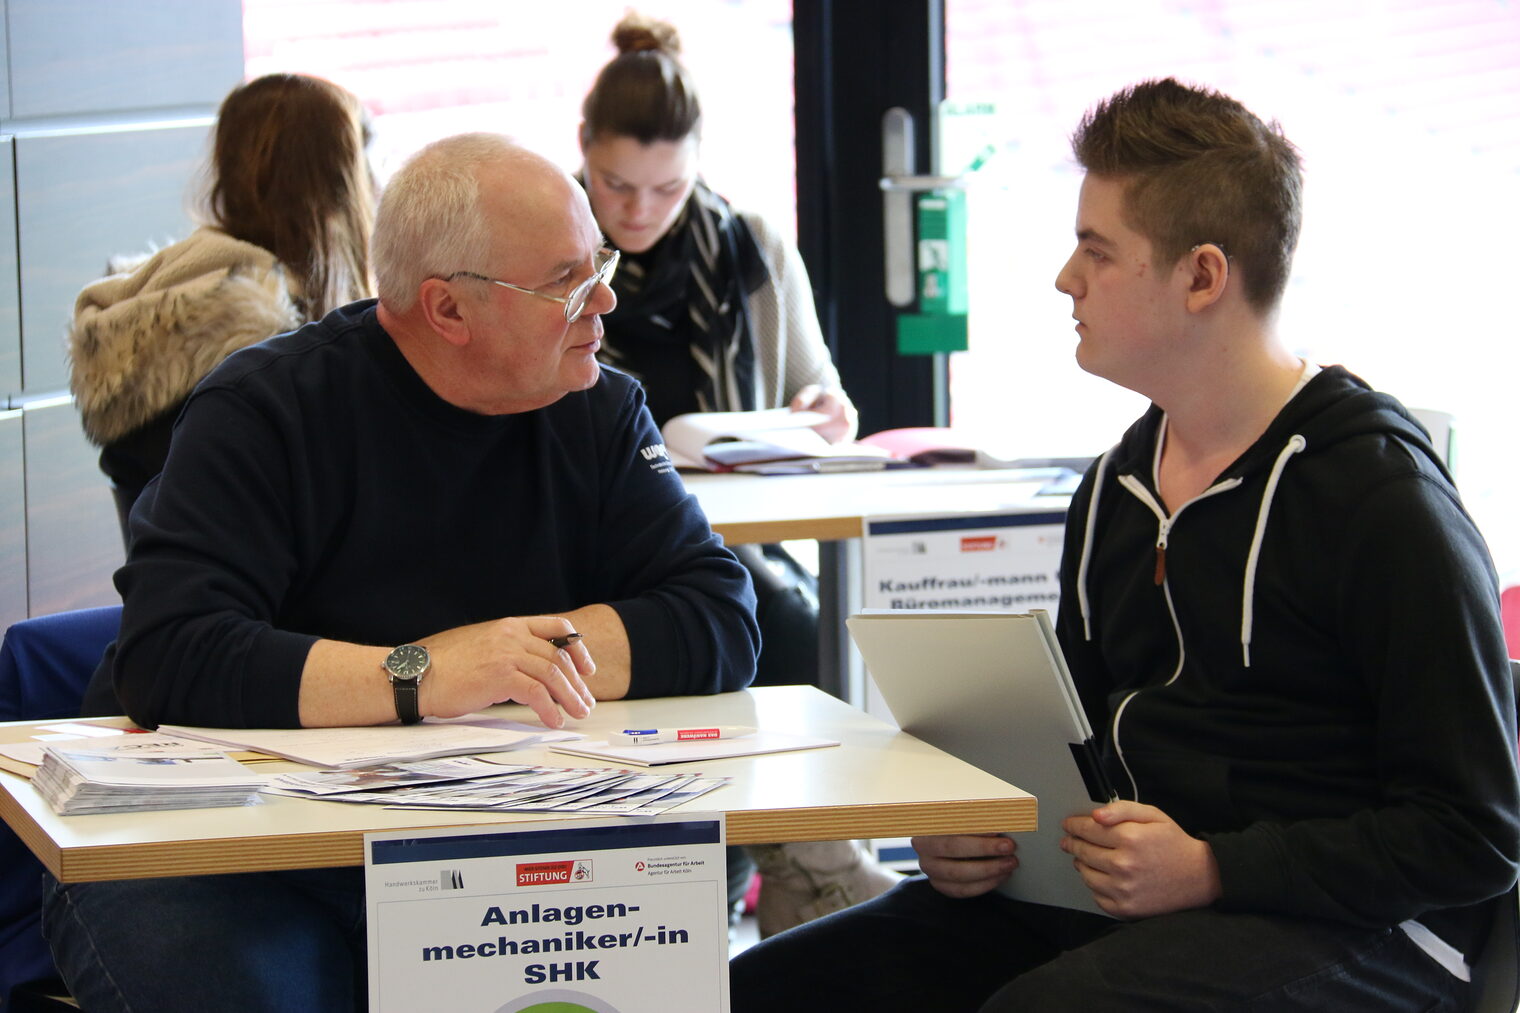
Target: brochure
<point>644,755</point>
<point>775,440</point>
<point>140,773</point>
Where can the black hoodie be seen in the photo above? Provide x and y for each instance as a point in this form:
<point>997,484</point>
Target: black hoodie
<point>1304,665</point>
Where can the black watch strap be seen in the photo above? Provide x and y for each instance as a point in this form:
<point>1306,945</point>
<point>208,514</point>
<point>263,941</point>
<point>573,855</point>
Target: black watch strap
<point>405,691</point>
<point>406,666</point>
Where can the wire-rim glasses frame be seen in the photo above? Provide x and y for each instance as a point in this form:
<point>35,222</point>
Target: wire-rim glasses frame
<point>604,265</point>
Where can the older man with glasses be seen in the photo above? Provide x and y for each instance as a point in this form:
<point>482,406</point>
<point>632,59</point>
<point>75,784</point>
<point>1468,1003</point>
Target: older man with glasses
<point>416,507</point>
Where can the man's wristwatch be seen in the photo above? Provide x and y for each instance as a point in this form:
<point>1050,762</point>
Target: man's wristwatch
<point>407,665</point>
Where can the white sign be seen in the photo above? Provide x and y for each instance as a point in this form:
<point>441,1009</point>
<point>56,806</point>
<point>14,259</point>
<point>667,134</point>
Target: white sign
<point>969,562</point>
<point>626,916</point>
<point>981,562</point>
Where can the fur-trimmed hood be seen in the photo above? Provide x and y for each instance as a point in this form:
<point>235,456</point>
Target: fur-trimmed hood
<point>143,338</point>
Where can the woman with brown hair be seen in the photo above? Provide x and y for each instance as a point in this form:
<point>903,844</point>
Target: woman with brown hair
<point>715,313</point>
<point>288,207</point>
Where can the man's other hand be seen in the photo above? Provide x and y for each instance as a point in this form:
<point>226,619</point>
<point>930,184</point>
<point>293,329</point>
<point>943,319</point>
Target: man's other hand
<point>966,865</point>
<point>1137,862</point>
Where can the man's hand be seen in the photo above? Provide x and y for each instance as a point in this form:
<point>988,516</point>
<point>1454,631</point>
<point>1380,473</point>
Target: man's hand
<point>965,865</point>
<point>343,684</point>
<point>1138,863</point>
<point>508,659</point>
<point>842,419</point>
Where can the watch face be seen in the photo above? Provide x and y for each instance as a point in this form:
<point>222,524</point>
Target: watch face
<point>408,662</point>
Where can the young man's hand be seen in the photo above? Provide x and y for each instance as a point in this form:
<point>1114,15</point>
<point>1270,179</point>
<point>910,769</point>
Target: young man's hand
<point>965,865</point>
<point>1138,863</point>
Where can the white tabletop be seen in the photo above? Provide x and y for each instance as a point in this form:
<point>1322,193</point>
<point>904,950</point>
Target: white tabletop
<point>773,508</point>
<point>880,782</point>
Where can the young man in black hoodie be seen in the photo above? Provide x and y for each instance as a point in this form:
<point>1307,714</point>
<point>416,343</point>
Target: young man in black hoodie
<point>1282,621</point>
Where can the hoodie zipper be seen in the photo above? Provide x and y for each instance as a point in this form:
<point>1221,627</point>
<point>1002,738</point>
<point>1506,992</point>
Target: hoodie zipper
<point>1164,525</point>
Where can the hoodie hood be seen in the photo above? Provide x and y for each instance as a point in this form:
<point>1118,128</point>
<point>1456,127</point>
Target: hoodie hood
<point>1334,406</point>
<point>143,338</point>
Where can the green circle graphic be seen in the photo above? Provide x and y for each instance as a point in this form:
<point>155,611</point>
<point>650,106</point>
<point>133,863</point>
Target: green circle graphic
<point>558,1000</point>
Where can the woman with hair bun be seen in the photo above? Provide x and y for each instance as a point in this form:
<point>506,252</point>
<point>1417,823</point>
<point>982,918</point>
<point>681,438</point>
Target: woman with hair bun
<point>715,313</point>
<point>288,209</point>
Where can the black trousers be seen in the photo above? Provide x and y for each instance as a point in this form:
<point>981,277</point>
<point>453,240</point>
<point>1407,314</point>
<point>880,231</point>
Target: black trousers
<point>913,949</point>
<point>786,607</point>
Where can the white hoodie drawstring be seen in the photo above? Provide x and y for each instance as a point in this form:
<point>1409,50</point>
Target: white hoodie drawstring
<point>1295,444</point>
<point>1087,542</point>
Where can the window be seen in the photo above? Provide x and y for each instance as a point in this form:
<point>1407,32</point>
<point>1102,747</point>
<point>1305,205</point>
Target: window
<point>1405,112</point>
<point>426,69</point>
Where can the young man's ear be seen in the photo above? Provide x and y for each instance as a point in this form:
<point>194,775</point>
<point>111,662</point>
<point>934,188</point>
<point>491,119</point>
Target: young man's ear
<point>443,311</point>
<point>1209,273</point>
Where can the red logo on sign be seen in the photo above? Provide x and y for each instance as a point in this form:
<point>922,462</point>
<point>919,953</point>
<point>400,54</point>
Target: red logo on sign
<point>979,543</point>
<point>544,873</point>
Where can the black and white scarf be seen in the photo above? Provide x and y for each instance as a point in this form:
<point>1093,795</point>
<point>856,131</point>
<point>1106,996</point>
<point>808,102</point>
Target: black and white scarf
<point>695,288</point>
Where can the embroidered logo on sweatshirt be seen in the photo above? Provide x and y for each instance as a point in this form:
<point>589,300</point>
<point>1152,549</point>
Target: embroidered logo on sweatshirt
<point>657,456</point>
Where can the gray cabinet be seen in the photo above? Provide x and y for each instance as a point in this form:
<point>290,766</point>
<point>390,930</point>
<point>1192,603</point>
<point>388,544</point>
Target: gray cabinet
<point>105,112</point>
<point>10,289</point>
<point>94,57</point>
<point>82,198</point>
<point>5,78</point>
<point>12,521</point>
<point>73,540</point>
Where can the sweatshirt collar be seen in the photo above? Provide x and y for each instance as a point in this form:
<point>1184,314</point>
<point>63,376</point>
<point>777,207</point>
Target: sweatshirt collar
<point>1279,445</point>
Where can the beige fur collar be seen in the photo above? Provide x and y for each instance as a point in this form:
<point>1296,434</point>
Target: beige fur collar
<point>142,340</point>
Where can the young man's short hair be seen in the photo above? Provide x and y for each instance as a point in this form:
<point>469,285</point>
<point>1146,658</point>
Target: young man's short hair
<point>1200,168</point>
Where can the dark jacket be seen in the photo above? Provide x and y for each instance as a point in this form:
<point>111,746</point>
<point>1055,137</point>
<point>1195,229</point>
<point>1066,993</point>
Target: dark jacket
<point>317,488</point>
<point>1318,684</point>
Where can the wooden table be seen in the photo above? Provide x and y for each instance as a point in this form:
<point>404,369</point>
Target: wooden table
<point>880,782</point>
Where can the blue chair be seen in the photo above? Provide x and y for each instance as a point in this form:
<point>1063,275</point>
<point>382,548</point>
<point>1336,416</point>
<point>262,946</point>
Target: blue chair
<point>45,664</point>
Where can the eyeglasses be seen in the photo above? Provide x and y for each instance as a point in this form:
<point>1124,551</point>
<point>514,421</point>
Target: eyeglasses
<point>604,265</point>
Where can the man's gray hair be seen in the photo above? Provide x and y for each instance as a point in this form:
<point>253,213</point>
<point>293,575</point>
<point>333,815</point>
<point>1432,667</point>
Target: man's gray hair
<point>430,224</point>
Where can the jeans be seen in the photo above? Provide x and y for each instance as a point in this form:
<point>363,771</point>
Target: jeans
<point>914,949</point>
<point>263,941</point>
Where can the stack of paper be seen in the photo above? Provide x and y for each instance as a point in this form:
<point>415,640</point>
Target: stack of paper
<point>344,748</point>
<point>141,773</point>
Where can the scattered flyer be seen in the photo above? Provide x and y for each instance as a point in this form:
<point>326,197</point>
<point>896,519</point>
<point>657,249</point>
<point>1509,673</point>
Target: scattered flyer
<point>392,775</point>
<point>621,916</point>
<point>469,783</point>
